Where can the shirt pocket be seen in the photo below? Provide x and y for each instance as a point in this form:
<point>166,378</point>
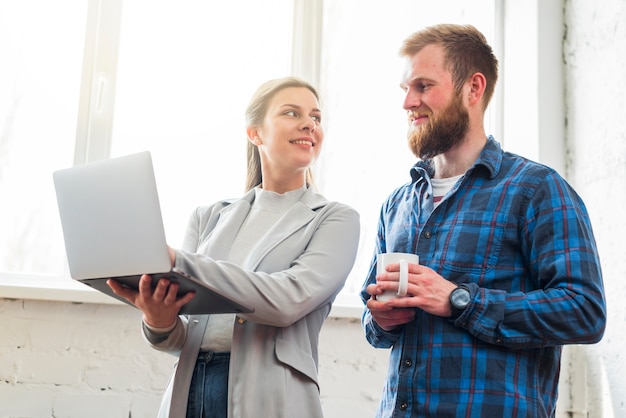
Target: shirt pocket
<point>472,241</point>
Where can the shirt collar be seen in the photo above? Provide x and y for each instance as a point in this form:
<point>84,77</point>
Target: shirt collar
<point>490,158</point>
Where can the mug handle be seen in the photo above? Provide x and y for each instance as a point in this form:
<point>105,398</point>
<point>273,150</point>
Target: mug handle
<point>404,278</point>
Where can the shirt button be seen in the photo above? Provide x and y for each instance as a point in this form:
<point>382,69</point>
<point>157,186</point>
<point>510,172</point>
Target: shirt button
<point>241,320</point>
<point>404,406</point>
<point>407,363</point>
<point>428,234</point>
<point>499,340</point>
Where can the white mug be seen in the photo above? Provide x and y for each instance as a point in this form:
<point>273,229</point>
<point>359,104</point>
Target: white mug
<point>383,260</point>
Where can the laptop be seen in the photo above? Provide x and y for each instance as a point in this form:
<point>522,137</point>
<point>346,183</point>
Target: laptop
<point>112,228</point>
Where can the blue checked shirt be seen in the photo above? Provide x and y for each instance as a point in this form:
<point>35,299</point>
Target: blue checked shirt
<point>520,237</point>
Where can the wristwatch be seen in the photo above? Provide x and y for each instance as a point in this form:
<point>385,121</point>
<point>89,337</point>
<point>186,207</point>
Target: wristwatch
<point>459,299</point>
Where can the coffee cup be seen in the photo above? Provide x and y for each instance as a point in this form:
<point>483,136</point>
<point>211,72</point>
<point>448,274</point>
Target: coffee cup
<point>404,259</point>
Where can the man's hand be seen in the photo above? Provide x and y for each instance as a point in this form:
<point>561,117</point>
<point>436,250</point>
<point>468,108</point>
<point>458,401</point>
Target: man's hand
<point>427,290</point>
<point>387,317</point>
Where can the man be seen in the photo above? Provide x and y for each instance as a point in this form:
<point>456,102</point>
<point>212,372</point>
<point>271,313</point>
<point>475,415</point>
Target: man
<point>509,270</point>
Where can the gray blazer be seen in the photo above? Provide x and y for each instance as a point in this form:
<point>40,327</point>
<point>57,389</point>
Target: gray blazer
<point>290,278</point>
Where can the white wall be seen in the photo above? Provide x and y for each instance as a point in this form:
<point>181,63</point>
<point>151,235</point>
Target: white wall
<point>68,360</point>
<point>595,58</point>
<point>75,360</point>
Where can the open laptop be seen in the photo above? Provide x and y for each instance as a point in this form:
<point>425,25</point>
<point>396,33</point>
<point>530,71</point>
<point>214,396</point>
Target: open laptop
<point>112,227</point>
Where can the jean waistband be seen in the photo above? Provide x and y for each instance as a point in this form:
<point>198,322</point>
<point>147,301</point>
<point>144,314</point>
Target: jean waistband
<point>208,356</point>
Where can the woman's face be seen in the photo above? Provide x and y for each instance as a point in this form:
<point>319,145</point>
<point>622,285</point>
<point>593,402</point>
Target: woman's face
<point>290,139</point>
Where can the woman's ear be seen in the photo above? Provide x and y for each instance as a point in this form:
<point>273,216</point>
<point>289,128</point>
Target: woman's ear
<point>253,136</point>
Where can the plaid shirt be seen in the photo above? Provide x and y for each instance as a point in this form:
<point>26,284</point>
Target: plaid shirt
<point>520,237</point>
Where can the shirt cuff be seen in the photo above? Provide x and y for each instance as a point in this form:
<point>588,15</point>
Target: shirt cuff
<point>157,330</point>
<point>386,334</point>
<point>157,335</point>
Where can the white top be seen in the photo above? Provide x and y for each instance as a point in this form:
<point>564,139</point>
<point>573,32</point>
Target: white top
<point>442,186</point>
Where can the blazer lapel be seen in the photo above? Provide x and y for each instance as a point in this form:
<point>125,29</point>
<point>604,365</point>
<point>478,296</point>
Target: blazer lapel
<point>223,234</point>
<point>298,216</point>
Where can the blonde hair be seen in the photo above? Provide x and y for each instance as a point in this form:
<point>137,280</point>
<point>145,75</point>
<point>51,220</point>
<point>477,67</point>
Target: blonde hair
<point>466,52</point>
<point>255,114</point>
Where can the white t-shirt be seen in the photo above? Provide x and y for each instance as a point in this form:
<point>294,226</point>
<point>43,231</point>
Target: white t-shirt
<point>442,186</point>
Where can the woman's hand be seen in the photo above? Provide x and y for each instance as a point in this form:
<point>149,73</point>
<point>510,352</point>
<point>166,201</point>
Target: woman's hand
<point>160,306</point>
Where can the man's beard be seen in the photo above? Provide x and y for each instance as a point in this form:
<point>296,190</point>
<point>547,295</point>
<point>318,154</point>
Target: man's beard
<point>441,132</point>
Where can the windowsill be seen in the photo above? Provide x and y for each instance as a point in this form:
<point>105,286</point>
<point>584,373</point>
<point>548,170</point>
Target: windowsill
<point>50,288</point>
<point>32,287</point>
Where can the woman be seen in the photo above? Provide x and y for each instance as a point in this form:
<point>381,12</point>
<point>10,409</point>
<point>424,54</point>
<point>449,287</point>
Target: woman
<point>282,249</point>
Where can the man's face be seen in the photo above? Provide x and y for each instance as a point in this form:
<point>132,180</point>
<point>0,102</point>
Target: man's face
<point>437,117</point>
<point>441,132</point>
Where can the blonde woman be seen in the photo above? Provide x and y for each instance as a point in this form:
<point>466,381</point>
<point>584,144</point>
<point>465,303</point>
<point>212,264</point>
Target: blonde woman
<point>281,248</point>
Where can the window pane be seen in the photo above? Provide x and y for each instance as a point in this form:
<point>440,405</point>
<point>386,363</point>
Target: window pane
<point>184,80</point>
<point>366,155</point>
<point>41,45</point>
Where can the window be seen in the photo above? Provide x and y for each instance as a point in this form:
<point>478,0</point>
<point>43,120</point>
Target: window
<point>181,92</point>
<point>176,81</point>
<point>171,77</point>
<point>41,44</point>
<point>366,155</point>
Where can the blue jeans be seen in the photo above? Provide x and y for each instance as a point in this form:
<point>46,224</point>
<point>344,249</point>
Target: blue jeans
<point>208,393</point>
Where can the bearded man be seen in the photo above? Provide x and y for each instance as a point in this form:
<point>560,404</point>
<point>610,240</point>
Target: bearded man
<point>509,270</point>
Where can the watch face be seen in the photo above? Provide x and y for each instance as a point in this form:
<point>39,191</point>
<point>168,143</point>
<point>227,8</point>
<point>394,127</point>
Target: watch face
<point>459,298</point>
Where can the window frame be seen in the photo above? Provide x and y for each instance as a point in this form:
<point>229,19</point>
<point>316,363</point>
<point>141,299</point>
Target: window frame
<point>533,30</point>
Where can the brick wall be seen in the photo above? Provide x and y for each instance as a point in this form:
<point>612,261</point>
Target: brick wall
<point>68,360</point>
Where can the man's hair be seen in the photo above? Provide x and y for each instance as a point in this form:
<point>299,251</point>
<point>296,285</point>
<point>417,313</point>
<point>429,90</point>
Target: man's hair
<point>466,52</point>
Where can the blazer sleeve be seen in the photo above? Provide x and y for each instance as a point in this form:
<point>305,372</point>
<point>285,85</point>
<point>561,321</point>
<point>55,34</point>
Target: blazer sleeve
<point>301,273</point>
